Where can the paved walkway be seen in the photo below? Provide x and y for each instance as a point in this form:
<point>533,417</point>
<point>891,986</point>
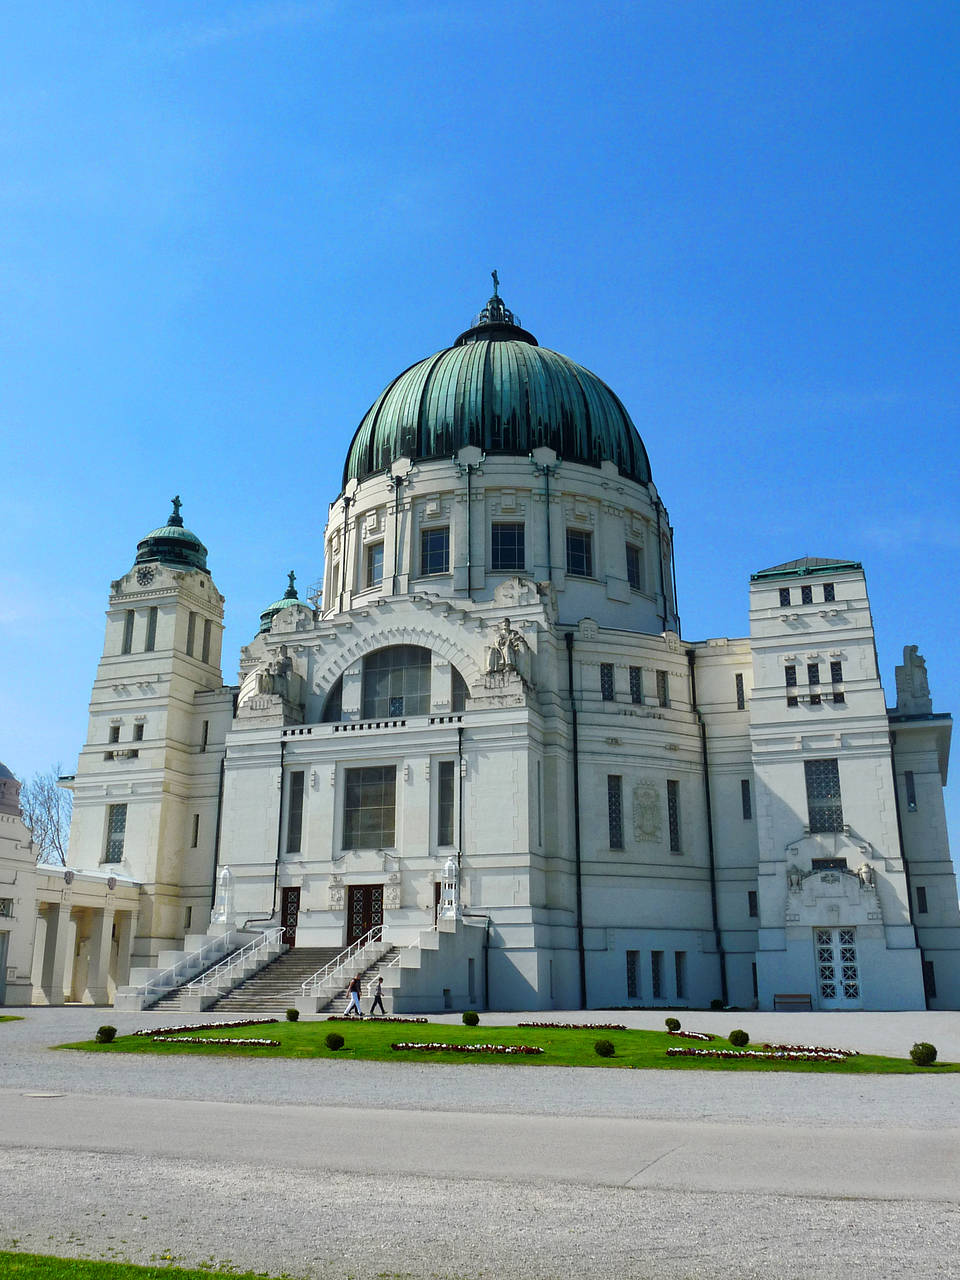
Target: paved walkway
<point>333,1168</point>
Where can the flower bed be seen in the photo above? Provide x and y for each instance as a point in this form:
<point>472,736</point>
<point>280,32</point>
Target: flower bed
<point>692,1035</point>
<point>789,1055</point>
<point>576,1026</point>
<point>231,1040</point>
<point>340,1017</point>
<point>204,1026</point>
<point>439,1047</point>
<point>810,1048</point>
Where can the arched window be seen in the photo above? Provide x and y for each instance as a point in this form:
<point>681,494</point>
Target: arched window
<point>333,707</point>
<point>459,692</point>
<point>396,682</point>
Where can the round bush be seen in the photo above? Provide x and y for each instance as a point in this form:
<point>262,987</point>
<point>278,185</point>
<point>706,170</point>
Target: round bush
<point>738,1038</point>
<point>604,1048</point>
<point>293,1015</point>
<point>106,1033</point>
<point>924,1054</point>
<point>470,1018</point>
<point>672,1024</point>
<point>716,1003</point>
<point>334,1040</point>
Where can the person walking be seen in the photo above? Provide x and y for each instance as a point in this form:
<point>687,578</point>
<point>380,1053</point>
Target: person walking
<point>378,998</point>
<point>353,1002</point>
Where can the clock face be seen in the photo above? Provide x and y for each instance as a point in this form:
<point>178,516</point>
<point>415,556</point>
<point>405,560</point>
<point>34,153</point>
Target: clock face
<point>145,577</point>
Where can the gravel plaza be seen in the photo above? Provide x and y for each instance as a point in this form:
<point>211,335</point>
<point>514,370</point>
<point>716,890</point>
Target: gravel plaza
<point>334,1169</point>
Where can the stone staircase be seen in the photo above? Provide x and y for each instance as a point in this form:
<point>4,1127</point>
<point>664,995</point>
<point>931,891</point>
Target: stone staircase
<point>337,1003</point>
<point>276,986</point>
<point>173,1001</point>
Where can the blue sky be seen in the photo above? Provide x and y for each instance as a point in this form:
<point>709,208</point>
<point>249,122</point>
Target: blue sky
<point>225,226</point>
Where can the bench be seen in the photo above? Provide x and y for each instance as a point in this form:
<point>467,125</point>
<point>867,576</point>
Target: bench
<point>793,1003</point>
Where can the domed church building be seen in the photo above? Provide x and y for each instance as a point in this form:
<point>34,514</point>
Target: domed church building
<point>486,761</point>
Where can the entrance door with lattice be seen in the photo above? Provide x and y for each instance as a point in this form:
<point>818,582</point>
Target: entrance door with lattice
<point>838,974</point>
<point>364,909</point>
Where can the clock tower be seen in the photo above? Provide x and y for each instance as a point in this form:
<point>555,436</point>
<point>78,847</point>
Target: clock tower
<point>146,792</point>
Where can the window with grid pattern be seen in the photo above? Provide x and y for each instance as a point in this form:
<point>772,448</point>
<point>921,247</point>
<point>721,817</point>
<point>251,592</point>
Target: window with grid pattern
<point>823,795</point>
<point>656,974</point>
<point>741,696</point>
<point>635,575</point>
<point>434,551</point>
<point>507,548</point>
<point>445,803</point>
<point>828,593</point>
<point>746,800</point>
<point>784,596</point>
<point>369,807</point>
<point>673,814</point>
<point>396,682</point>
<point>636,684</point>
<point>374,573</point>
<point>806,595</point>
<point>633,975</point>
<point>116,832</point>
<point>579,553</point>
<point>615,810</point>
<point>606,681</point>
<point>663,688</point>
<point>753,906</point>
<point>680,973</point>
<point>295,812</point>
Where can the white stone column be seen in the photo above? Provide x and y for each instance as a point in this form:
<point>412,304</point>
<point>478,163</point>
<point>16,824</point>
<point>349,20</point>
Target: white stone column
<point>58,936</point>
<point>126,922</point>
<point>101,941</point>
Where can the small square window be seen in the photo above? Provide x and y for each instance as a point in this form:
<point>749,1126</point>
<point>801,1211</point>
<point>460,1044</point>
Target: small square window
<point>579,553</point>
<point>606,681</point>
<point>374,574</point>
<point>507,548</point>
<point>806,595</point>
<point>635,575</point>
<point>784,596</point>
<point>434,551</point>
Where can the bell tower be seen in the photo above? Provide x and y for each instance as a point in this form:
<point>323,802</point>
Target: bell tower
<point>146,792</point>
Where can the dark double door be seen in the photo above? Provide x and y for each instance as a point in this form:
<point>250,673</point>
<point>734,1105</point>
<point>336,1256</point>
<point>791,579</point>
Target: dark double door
<point>289,914</point>
<point>364,909</point>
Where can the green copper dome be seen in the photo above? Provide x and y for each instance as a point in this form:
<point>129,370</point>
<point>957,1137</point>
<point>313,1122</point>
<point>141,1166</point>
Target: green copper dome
<point>173,545</point>
<point>496,388</point>
<point>289,597</point>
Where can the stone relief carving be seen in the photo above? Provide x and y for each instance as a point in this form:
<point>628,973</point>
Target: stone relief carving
<point>515,591</point>
<point>794,878</point>
<point>335,893</point>
<point>391,892</point>
<point>647,815</point>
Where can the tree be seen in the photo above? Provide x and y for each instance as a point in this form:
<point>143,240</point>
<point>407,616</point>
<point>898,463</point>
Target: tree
<point>46,810</point>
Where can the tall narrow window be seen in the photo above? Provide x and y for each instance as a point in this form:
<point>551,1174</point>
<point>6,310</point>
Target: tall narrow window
<point>636,684</point>
<point>579,553</point>
<point>806,595</point>
<point>746,801</point>
<point>128,618</point>
<point>813,673</point>
<point>295,812</point>
<point>445,803</point>
<point>823,795</point>
<point>204,734</point>
<point>116,832</point>
<point>369,808</point>
<point>374,573</point>
<point>191,632</point>
<point>836,673</point>
<point>615,810</point>
<point>539,804</point>
<point>656,974</point>
<point>207,629</point>
<point>680,973</point>
<point>663,688</point>
<point>507,548</point>
<point>828,593</point>
<point>921,900</point>
<point>195,831</point>
<point>633,975</point>
<point>790,675</point>
<point>114,733</point>
<point>606,681</point>
<point>635,575</point>
<point>753,909</point>
<point>911,790</point>
<point>434,551</point>
<point>784,597</point>
<point>138,732</point>
<point>151,643</point>
<point>673,814</point>
<point>741,698</point>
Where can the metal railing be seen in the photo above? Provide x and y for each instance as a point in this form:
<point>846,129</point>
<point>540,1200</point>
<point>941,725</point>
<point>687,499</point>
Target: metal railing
<point>170,978</point>
<point>327,976</point>
<point>221,976</point>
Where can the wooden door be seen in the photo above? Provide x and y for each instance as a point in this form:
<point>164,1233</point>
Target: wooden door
<point>289,913</point>
<point>364,909</point>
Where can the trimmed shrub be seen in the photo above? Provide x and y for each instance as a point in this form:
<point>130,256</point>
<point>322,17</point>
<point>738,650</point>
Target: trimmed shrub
<point>716,1003</point>
<point>924,1054</point>
<point>470,1018</point>
<point>672,1024</point>
<point>293,1015</point>
<point>604,1048</point>
<point>738,1038</point>
<point>334,1040</point>
<point>106,1033</point>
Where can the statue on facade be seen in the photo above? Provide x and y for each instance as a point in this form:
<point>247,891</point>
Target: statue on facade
<point>913,689</point>
<point>794,878</point>
<point>223,903</point>
<point>867,875</point>
<point>508,646</point>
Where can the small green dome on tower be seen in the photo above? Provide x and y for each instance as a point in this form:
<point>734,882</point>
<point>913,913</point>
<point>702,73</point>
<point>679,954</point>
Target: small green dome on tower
<point>289,597</point>
<point>173,545</point>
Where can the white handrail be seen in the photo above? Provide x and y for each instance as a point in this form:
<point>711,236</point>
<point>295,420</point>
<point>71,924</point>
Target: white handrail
<point>312,985</point>
<point>166,981</point>
<point>214,978</point>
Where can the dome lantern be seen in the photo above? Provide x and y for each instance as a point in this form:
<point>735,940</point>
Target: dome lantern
<point>172,544</point>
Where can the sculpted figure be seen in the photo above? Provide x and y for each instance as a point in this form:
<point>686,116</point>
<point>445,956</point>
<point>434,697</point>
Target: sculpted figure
<point>508,645</point>
<point>866,874</point>
<point>223,905</point>
<point>794,878</point>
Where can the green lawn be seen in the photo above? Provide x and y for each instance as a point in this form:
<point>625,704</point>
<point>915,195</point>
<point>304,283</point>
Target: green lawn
<point>645,1050</point>
<point>10,1017</point>
<point>34,1266</point>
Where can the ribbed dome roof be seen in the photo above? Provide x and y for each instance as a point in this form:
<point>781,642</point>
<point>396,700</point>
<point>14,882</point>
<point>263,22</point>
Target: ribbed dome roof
<point>496,388</point>
<point>173,545</point>
<point>289,598</point>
